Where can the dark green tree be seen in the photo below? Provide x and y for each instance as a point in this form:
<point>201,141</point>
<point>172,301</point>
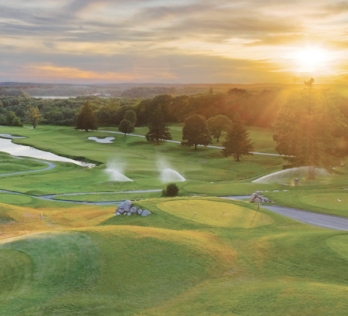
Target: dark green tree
<point>33,116</point>
<point>2,119</point>
<point>126,127</point>
<point>86,119</point>
<point>218,124</point>
<point>195,131</point>
<point>17,122</point>
<point>131,116</point>
<point>237,142</point>
<point>12,119</point>
<point>158,132</point>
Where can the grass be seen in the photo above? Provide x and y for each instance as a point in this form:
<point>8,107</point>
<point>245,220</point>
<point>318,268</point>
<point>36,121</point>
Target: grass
<point>10,164</point>
<point>326,195</point>
<point>108,196</point>
<point>217,214</point>
<point>199,167</point>
<point>170,263</point>
<point>199,255</point>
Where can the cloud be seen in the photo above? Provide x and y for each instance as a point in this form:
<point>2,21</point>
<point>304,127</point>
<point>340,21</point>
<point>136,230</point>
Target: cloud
<point>142,40</point>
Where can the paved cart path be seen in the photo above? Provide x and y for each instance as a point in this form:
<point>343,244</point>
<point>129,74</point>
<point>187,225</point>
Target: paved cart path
<point>312,218</point>
<point>315,219</point>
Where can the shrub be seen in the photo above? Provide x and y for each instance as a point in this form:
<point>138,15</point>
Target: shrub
<point>172,189</point>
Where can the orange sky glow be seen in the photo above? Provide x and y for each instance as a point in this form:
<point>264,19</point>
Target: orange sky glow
<point>192,41</point>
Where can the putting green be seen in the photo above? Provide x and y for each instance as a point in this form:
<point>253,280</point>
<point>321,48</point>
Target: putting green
<point>216,213</point>
<point>332,201</point>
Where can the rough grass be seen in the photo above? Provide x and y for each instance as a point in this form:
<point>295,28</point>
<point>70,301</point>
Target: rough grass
<point>187,258</point>
<point>93,263</point>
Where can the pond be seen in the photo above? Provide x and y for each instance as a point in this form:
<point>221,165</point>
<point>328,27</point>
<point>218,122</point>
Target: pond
<point>7,146</point>
<point>10,136</point>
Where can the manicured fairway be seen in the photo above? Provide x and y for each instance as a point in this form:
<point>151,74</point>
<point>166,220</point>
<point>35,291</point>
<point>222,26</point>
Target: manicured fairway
<point>194,255</point>
<point>335,201</point>
<point>11,165</point>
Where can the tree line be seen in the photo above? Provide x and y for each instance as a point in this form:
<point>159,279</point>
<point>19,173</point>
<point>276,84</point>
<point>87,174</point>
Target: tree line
<point>254,108</point>
<point>310,126</point>
<point>310,129</point>
<point>196,130</point>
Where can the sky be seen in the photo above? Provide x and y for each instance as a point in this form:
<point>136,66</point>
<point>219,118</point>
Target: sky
<point>173,41</point>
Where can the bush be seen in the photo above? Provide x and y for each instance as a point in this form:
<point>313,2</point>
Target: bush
<point>172,190</point>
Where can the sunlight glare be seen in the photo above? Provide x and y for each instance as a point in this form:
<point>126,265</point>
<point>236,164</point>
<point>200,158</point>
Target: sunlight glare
<point>311,59</point>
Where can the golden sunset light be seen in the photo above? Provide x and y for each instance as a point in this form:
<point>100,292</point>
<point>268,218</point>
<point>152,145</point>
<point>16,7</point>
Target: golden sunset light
<point>173,157</point>
<point>251,41</point>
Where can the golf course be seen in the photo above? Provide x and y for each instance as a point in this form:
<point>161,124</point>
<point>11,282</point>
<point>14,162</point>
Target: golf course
<point>64,252</point>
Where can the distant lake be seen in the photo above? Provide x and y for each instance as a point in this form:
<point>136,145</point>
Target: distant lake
<point>51,97</point>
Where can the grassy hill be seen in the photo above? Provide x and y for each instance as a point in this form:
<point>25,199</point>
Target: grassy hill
<point>187,258</point>
<point>195,255</point>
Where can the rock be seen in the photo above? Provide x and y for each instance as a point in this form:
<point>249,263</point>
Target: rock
<point>257,200</point>
<point>253,196</point>
<point>133,209</point>
<point>145,213</point>
<point>126,208</point>
<point>120,208</point>
<point>127,205</point>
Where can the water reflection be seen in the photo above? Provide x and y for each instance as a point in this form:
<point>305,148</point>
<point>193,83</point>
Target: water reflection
<point>7,146</point>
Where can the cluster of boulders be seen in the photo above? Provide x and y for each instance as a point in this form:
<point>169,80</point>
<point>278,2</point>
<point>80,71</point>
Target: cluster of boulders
<point>126,208</point>
<point>256,197</point>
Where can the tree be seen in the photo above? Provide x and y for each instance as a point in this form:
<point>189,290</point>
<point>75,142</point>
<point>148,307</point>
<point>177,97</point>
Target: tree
<point>131,116</point>
<point>195,131</point>
<point>126,127</point>
<point>33,115</point>
<point>17,122</point>
<point>2,119</point>
<point>12,119</point>
<point>217,124</point>
<point>86,119</point>
<point>309,83</point>
<point>157,130</point>
<point>237,141</point>
<point>309,130</point>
